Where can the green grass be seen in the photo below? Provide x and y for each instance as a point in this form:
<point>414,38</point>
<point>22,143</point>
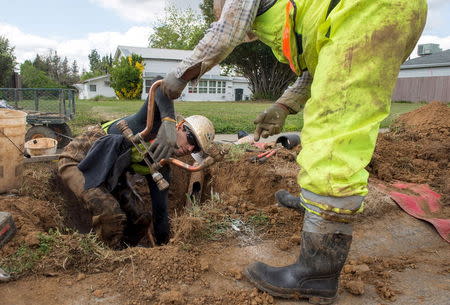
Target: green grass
<point>228,117</point>
<point>25,258</point>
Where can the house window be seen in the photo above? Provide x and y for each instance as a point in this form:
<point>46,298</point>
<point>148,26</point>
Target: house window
<point>212,86</point>
<point>93,88</point>
<point>148,84</point>
<point>221,86</point>
<point>203,86</point>
<point>192,89</point>
<point>107,83</point>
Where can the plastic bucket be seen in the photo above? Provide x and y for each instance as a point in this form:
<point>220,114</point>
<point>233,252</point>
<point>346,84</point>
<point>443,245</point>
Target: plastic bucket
<point>12,129</point>
<point>41,146</point>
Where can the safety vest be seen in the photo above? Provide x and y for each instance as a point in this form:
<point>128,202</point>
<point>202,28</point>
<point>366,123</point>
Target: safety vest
<point>295,30</point>
<point>136,157</point>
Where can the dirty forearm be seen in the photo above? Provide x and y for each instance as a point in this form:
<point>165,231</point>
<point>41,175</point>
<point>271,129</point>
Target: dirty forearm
<point>295,96</point>
<point>222,37</point>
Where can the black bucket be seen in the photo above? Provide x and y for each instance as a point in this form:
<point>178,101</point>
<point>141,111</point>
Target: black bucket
<point>289,141</point>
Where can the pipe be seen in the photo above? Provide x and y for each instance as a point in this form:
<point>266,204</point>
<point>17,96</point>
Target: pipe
<point>150,110</point>
<point>206,163</point>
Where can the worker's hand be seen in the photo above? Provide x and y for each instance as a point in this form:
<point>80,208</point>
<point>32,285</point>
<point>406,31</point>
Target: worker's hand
<point>165,142</point>
<point>218,151</point>
<point>173,86</point>
<point>270,122</point>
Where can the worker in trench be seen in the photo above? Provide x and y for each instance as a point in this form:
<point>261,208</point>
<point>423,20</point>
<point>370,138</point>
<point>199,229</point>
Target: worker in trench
<point>347,55</point>
<point>103,176</point>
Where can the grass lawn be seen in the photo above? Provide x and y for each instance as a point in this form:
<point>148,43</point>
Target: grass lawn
<point>228,117</point>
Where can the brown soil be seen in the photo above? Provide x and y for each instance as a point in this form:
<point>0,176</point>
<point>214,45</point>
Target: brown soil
<point>417,149</point>
<point>236,223</point>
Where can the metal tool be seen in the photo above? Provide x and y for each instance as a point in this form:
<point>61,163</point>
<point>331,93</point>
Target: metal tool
<point>24,153</point>
<point>161,183</point>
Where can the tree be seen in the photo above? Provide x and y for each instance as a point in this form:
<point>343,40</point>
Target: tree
<point>126,77</point>
<point>98,65</point>
<point>255,61</point>
<point>56,68</point>
<point>207,8</point>
<point>74,76</point>
<point>7,62</point>
<point>35,78</point>
<point>267,76</point>
<point>94,60</point>
<point>178,29</point>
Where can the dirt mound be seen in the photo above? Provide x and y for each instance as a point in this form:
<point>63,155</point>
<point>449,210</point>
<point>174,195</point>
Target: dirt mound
<point>255,183</point>
<point>32,217</point>
<point>417,149</point>
<point>429,119</point>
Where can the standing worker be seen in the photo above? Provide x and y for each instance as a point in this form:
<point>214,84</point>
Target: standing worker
<point>347,55</point>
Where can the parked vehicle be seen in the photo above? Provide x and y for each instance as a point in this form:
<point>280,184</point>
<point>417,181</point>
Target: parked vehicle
<point>48,111</point>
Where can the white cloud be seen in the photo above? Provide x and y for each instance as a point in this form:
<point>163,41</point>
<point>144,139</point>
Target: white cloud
<point>27,46</point>
<point>140,11</point>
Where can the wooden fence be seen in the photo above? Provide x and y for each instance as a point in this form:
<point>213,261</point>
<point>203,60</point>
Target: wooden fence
<point>419,89</point>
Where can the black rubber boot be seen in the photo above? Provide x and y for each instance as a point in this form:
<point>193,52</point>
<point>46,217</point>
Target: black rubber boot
<point>314,276</point>
<point>287,200</point>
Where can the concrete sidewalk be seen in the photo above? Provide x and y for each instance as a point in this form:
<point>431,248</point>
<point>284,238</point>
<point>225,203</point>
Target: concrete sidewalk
<point>229,138</point>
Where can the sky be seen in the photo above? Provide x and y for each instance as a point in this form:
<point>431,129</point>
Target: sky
<point>73,28</point>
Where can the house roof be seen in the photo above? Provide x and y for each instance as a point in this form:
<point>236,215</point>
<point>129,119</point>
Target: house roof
<point>438,59</point>
<point>95,78</point>
<point>153,53</point>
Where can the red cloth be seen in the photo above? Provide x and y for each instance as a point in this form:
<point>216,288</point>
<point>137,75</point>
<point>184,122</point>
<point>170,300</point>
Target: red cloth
<point>419,201</point>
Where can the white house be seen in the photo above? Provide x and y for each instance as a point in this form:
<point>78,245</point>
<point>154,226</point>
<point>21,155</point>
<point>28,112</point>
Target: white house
<point>96,86</point>
<point>158,62</point>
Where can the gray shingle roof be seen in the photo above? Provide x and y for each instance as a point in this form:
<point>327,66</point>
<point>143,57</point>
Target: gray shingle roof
<point>152,53</point>
<point>436,58</point>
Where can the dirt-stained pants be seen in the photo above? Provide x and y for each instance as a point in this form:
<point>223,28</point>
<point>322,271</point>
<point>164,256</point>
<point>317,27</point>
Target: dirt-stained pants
<point>108,219</point>
<point>354,76</point>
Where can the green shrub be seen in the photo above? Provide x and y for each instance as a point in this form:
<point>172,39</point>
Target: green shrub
<point>126,77</point>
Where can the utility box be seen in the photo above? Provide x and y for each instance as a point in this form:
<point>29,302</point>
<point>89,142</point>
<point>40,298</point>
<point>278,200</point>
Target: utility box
<point>7,228</point>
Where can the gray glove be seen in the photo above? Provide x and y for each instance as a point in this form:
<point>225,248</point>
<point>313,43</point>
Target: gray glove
<point>165,141</point>
<point>173,86</point>
<point>270,122</point>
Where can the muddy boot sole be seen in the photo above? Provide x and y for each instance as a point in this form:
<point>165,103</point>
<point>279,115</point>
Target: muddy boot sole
<point>288,293</point>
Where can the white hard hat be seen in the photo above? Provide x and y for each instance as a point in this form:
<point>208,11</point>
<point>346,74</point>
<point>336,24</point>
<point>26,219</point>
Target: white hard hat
<point>202,128</point>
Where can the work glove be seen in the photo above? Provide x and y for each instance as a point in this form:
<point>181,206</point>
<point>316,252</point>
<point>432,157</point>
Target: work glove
<point>270,122</point>
<point>109,227</point>
<point>172,86</point>
<point>165,142</point>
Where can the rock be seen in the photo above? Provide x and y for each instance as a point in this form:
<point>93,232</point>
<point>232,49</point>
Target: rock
<point>236,273</point>
<point>355,287</point>
<point>98,293</point>
<point>32,239</point>
<point>81,276</point>
<point>356,269</point>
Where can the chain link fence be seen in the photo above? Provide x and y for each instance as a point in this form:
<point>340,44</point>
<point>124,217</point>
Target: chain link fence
<point>42,105</point>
